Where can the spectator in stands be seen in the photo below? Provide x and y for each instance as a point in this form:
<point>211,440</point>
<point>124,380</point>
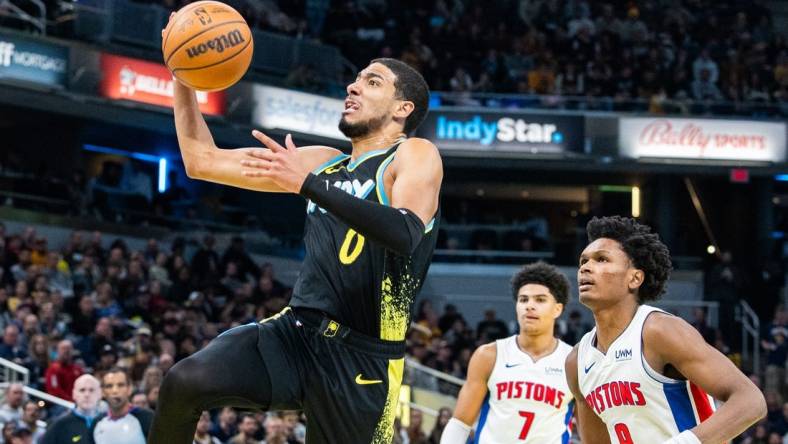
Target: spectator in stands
<point>83,321</point>
<point>106,304</point>
<point>776,346</point>
<point>31,421</point>
<point>723,283</point>
<point>249,426</point>
<point>704,89</point>
<point>701,324</point>
<point>38,359</point>
<point>275,430</point>
<point>444,415</point>
<point>237,253</point>
<point>491,328</point>
<point>30,327</point>
<point>152,394</point>
<point>415,433</point>
<point>63,372</point>
<point>21,436</point>
<point>74,426</point>
<point>205,263</point>
<point>201,435</point>
<point>102,335</point>
<point>226,427</point>
<point>8,431</point>
<point>11,409</point>
<point>139,400</point>
<point>11,349</point>
<point>40,251</point>
<point>450,314</point>
<point>51,323</point>
<point>575,329</point>
<point>705,63</point>
<point>123,423</point>
<point>107,358</point>
<point>295,431</point>
<point>570,81</point>
<point>152,377</point>
<point>427,321</point>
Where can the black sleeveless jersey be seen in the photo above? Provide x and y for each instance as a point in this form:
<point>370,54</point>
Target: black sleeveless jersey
<point>355,281</point>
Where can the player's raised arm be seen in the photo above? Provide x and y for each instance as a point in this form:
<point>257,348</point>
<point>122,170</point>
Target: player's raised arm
<point>590,427</point>
<point>676,343</point>
<point>471,397</point>
<point>204,160</point>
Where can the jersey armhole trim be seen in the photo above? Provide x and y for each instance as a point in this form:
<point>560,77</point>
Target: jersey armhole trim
<point>650,372</point>
<point>429,226</point>
<point>380,187</point>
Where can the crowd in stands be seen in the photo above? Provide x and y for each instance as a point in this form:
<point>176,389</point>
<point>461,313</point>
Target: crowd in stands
<point>673,56</point>
<point>90,305</point>
<point>663,54</point>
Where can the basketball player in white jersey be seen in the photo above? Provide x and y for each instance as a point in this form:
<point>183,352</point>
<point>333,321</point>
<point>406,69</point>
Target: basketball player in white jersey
<point>642,375</point>
<point>516,386</point>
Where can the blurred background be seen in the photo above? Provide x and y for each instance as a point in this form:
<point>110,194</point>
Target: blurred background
<point>547,113</point>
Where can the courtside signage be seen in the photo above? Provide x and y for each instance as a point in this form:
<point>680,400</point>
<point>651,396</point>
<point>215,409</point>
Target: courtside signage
<point>133,79</point>
<point>33,61</point>
<point>296,111</point>
<point>507,131</point>
<point>702,139</point>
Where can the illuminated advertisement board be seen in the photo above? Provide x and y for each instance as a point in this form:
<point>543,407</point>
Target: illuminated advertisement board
<point>147,82</point>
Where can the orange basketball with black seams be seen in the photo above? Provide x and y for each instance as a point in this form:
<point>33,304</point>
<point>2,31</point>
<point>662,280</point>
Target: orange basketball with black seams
<point>207,45</point>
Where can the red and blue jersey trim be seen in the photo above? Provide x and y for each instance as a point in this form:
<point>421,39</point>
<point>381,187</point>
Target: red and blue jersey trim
<point>482,418</point>
<point>688,403</point>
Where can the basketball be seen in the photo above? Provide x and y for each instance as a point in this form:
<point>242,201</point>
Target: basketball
<point>207,45</point>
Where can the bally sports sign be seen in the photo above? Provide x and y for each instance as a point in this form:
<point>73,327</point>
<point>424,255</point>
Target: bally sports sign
<point>702,139</point>
<point>147,82</point>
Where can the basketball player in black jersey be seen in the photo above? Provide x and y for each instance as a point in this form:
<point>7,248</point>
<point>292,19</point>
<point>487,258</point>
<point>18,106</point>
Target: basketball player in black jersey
<point>337,351</point>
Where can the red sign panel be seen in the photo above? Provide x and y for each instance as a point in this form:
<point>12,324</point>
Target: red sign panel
<point>147,82</point>
<point>740,175</point>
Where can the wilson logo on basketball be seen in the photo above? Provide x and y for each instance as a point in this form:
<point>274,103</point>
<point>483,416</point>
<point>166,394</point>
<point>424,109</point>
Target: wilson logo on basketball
<point>218,44</point>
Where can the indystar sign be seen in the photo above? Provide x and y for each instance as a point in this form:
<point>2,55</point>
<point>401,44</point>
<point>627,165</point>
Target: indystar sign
<point>534,133</point>
<point>505,129</point>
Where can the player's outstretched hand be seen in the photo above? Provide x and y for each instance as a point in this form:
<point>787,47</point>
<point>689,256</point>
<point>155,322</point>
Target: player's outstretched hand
<point>163,31</point>
<point>277,163</point>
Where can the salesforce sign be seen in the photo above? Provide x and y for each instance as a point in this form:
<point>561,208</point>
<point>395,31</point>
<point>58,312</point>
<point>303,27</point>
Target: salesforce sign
<point>297,111</point>
<point>503,131</point>
<point>33,61</point>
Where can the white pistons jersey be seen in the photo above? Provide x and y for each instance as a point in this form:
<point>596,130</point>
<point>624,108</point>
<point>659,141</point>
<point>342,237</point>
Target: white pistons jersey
<point>527,402</point>
<point>636,403</point>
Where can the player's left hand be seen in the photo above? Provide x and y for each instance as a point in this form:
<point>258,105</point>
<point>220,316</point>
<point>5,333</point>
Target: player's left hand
<point>277,163</point>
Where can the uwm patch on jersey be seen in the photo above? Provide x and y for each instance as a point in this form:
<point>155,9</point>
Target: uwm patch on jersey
<point>527,401</point>
<point>636,403</point>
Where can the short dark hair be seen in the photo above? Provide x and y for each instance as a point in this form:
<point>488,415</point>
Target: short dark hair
<point>116,369</point>
<point>543,274</point>
<point>644,248</point>
<point>410,86</point>
<point>245,415</point>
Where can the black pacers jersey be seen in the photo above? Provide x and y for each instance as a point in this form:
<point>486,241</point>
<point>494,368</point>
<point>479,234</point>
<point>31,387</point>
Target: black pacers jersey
<point>354,280</point>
